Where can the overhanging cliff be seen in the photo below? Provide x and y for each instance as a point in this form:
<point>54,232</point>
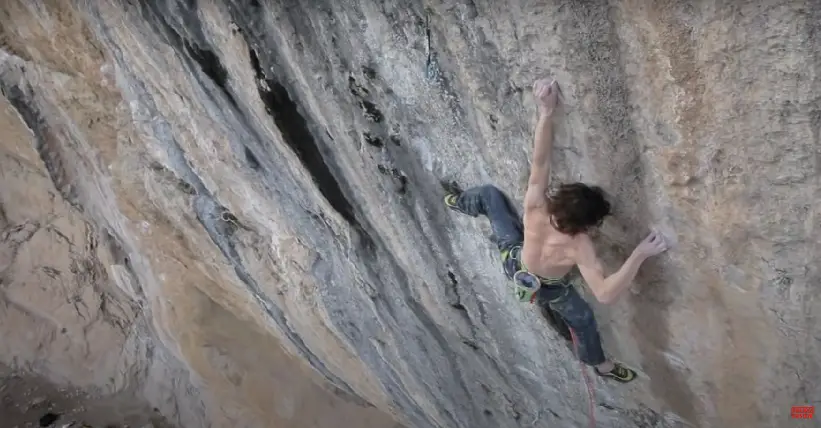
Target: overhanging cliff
<point>201,182</point>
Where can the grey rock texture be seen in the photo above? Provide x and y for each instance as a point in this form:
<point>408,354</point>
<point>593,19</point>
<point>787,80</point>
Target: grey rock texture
<point>242,175</point>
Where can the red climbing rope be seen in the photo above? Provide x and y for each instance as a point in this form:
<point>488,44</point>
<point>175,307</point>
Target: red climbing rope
<point>590,408</point>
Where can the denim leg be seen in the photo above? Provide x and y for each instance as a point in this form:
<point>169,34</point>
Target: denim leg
<point>579,316</point>
<point>489,201</point>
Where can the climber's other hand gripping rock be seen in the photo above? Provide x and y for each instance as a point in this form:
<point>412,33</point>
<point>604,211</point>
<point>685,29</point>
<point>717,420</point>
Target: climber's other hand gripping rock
<point>652,245</point>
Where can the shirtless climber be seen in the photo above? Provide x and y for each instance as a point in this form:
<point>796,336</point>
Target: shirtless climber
<point>540,254</point>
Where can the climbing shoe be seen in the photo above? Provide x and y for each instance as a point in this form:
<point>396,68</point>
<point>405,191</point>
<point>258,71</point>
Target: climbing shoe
<point>450,202</point>
<point>619,373</point>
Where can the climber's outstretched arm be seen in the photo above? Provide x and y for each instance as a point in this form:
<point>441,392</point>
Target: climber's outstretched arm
<point>546,93</point>
<point>608,289</point>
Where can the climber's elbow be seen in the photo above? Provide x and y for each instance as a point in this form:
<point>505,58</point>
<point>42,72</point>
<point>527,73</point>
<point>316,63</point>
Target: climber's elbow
<point>601,294</point>
<point>611,288</point>
<point>605,297</point>
<point>603,291</point>
<point>598,284</point>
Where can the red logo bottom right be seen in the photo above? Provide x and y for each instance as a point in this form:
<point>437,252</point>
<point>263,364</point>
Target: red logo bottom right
<point>802,412</point>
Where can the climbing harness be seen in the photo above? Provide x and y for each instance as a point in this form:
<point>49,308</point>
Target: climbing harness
<point>590,396</point>
<point>526,285</point>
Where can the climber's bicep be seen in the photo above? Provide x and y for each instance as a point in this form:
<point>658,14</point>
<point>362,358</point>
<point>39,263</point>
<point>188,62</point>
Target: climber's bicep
<point>536,195</point>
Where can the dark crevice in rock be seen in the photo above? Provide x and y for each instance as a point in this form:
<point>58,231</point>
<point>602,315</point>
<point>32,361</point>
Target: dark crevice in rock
<point>434,72</point>
<point>369,72</point>
<point>355,88</point>
<point>296,134</point>
<point>372,140</point>
<point>171,23</point>
<point>47,143</point>
<point>400,178</point>
<point>48,419</point>
<point>454,286</point>
<point>168,22</point>
<point>512,407</point>
<point>210,64</point>
<point>120,256</point>
<point>371,111</point>
<point>450,186</point>
<point>471,344</point>
<point>456,301</point>
<point>4,219</point>
<point>252,160</point>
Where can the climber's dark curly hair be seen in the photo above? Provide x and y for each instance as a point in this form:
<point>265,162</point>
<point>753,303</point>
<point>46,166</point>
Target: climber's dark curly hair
<point>577,207</point>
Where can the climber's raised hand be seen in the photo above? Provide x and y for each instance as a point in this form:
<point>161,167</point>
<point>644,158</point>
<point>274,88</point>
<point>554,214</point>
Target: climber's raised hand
<point>652,245</point>
<point>546,92</point>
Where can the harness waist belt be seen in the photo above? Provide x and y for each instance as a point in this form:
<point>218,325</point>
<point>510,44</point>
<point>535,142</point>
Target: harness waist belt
<point>515,253</point>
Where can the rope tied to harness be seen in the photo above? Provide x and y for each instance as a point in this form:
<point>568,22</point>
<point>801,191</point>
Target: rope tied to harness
<point>590,396</point>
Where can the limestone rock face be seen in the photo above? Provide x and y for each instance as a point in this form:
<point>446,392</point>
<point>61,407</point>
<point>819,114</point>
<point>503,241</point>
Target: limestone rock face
<point>231,212</point>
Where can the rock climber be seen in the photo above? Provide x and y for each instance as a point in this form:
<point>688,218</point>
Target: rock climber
<point>540,250</point>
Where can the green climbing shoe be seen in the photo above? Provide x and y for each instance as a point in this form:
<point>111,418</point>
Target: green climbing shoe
<point>619,373</point>
<point>450,202</point>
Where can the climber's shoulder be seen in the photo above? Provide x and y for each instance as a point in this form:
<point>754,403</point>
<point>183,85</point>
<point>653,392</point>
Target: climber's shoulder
<point>536,193</point>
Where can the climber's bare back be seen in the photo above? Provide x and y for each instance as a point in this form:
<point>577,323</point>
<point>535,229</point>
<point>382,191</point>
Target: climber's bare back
<point>547,252</point>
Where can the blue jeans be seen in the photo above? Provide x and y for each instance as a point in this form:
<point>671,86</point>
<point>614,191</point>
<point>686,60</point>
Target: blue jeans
<point>560,304</point>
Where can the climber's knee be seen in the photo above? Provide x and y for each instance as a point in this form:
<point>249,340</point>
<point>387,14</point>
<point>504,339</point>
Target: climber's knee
<point>586,319</point>
<point>490,191</point>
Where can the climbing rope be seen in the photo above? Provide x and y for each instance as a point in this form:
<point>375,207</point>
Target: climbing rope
<point>590,407</point>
